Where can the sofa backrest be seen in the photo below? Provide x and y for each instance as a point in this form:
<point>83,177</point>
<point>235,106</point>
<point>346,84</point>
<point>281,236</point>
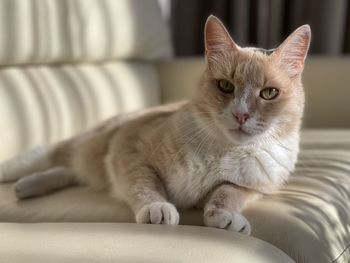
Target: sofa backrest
<point>56,31</point>
<point>67,64</point>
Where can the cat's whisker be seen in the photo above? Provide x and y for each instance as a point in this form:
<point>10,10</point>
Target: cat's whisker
<point>192,124</point>
<point>200,145</point>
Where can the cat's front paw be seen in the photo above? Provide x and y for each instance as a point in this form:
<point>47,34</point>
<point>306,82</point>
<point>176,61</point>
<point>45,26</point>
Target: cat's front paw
<point>221,218</point>
<point>158,213</point>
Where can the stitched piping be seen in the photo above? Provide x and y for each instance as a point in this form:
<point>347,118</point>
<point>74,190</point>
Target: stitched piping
<point>338,257</point>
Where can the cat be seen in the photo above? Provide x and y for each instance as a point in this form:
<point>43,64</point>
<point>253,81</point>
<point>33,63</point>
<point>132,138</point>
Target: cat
<point>235,140</point>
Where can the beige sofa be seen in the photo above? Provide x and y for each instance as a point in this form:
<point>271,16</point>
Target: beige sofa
<point>84,61</point>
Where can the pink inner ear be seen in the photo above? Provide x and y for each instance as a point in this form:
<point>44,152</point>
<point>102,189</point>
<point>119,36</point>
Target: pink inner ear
<point>294,66</point>
<point>216,36</point>
<point>293,51</point>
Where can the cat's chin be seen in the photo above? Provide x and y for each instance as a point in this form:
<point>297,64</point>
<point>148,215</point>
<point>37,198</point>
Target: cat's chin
<point>240,136</point>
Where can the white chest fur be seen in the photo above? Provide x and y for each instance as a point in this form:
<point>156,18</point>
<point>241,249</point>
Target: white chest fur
<point>263,167</point>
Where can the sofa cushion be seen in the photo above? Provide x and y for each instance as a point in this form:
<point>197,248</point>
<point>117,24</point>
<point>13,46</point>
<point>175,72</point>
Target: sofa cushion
<point>309,218</point>
<point>48,31</point>
<point>72,242</point>
<point>42,104</point>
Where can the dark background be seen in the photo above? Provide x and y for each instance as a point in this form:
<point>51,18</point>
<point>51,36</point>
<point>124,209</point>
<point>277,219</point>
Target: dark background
<point>262,23</point>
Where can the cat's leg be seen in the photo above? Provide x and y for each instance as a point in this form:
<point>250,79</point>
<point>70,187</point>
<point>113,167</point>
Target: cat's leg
<point>144,192</point>
<point>30,161</point>
<point>148,200</point>
<point>40,158</point>
<point>224,206</point>
<point>44,182</point>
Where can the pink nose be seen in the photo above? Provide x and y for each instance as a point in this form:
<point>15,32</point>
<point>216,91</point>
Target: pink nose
<point>241,117</point>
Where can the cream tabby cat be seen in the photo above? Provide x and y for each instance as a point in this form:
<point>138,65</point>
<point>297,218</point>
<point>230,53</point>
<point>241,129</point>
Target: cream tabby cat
<point>237,138</point>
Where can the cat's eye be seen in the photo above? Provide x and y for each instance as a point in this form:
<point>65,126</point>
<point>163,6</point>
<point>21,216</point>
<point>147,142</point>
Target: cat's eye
<point>269,93</point>
<point>225,86</point>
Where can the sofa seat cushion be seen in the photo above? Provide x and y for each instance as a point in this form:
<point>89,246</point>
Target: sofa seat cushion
<point>309,218</point>
<point>120,242</point>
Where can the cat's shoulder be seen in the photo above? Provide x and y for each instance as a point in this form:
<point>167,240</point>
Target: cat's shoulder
<point>153,114</point>
<point>141,116</point>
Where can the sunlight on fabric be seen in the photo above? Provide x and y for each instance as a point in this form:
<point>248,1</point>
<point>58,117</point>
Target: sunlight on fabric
<point>135,84</point>
<point>48,31</point>
<point>58,98</point>
<point>98,84</point>
<point>44,104</point>
<point>10,129</point>
<point>120,242</point>
<point>95,31</point>
<point>24,115</point>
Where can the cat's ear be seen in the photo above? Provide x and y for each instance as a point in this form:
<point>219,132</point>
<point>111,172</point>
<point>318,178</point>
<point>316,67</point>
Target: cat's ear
<point>216,37</point>
<point>292,52</point>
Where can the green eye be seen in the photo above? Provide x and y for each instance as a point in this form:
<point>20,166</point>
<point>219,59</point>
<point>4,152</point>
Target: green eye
<point>226,86</point>
<point>269,93</point>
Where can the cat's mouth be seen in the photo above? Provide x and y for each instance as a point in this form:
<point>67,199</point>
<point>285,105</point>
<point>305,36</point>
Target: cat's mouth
<point>239,131</point>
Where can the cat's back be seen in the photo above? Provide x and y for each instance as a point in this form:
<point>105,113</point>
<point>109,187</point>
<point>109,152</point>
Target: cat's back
<point>88,150</point>
<point>138,123</point>
<point>126,121</point>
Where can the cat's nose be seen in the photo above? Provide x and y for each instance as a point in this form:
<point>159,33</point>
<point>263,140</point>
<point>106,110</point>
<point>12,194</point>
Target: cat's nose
<point>241,117</point>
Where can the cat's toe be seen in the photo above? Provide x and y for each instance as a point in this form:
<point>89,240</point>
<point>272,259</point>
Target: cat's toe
<point>240,224</point>
<point>218,218</point>
<point>221,218</point>
<point>170,214</point>
<point>158,213</point>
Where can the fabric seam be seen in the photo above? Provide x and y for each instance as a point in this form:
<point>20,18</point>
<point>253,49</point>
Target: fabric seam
<point>339,256</point>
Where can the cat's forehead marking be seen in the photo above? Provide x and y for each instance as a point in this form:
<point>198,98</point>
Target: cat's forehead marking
<point>249,72</point>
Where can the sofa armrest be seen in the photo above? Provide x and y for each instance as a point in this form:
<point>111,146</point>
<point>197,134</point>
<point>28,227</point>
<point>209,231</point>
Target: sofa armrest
<point>326,81</point>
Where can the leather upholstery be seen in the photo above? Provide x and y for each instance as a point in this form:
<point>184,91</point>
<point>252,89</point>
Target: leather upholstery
<point>46,103</point>
<point>117,242</point>
<point>56,31</point>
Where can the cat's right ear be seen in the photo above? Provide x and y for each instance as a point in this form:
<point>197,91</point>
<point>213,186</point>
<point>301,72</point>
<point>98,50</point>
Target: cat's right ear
<point>291,54</point>
<point>216,37</point>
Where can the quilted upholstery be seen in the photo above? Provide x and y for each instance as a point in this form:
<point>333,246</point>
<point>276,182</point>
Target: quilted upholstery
<point>67,64</point>
<point>47,31</point>
<point>42,104</point>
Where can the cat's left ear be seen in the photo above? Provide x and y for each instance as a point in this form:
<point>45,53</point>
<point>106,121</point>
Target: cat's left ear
<point>292,52</point>
<point>216,37</point>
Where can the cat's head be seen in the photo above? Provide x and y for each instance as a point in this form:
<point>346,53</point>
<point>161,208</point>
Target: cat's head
<point>248,92</point>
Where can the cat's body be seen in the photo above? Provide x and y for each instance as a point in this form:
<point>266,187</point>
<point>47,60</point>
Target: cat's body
<point>219,150</point>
